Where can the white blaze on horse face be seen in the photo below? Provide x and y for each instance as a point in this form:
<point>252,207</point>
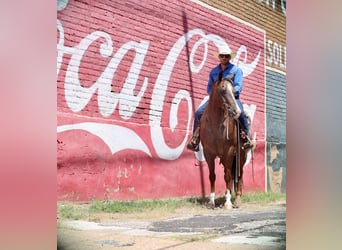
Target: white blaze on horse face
<point>232,101</point>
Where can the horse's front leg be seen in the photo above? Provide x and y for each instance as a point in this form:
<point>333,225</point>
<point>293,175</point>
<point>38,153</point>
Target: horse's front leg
<point>239,184</point>
<point>227,176</point>
<point>227,162</point>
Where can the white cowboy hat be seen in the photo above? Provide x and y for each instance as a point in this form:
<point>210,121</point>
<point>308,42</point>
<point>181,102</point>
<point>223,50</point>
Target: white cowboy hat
<point>224,51</point>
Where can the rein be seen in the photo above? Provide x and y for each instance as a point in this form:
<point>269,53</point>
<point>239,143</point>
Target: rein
<point>230,113</point>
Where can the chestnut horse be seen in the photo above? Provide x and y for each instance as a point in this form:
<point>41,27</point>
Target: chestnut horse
<point>219,138</point>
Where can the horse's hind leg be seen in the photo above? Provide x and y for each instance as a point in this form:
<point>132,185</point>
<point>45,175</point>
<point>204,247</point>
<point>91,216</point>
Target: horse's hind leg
<point>212,177</point>
<point>238,185</point>
<point>238,192</point>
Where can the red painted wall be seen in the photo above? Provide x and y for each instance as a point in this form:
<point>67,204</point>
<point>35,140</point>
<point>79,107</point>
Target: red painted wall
<point>130,75</point>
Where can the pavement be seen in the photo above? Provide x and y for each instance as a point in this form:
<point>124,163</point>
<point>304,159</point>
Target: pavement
<point>220,229</point>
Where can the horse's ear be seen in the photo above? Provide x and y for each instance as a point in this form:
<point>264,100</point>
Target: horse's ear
<point>220,76</point>
<point>231,76</point>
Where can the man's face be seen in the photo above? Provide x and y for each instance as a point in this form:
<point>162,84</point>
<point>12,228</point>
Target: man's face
<point>224,59</point>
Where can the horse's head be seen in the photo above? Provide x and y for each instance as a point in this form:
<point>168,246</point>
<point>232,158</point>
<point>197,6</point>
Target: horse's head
<point>227,92</point>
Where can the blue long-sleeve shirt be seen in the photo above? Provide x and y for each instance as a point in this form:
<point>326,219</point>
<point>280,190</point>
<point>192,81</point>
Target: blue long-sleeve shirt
<point>230,69</point>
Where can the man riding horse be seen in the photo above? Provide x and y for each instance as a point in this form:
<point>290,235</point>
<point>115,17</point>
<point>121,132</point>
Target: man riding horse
<point>227,69</point>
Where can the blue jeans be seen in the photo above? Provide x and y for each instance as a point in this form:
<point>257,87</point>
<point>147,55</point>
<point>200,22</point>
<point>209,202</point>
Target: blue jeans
<point>198,114</point>
<point>242,117</point>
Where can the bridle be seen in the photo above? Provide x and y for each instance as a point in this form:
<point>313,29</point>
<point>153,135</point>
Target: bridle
<point>226,106</point>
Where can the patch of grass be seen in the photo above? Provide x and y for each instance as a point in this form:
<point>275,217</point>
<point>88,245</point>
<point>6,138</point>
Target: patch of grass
<point>263,198</point>
<point>69,210</point>
<point>252,197</point>
<point>171,204</point>
<point>135,206</point>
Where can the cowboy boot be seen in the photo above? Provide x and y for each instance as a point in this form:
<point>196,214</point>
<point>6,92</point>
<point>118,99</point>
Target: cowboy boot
<point>247,141</point>
<point>194,142</point>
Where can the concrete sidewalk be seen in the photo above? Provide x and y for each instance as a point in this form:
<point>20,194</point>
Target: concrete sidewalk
<point>223,229</point>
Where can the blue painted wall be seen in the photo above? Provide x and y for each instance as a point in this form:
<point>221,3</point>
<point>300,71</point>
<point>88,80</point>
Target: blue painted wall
<point>276,131</point>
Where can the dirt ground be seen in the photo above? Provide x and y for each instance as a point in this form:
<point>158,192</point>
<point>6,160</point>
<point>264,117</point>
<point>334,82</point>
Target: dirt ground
<point>128,230</point>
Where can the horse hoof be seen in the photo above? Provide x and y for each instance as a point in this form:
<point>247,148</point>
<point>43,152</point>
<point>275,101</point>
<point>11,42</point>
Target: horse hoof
<point>228,206</point>
<point>210,205</point>
<point>235,205</point>
<point>237,201</point>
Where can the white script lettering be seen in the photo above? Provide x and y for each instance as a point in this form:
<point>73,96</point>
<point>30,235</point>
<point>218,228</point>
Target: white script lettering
<point>77,96</point>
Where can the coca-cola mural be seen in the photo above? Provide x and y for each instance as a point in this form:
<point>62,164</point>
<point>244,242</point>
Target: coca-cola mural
<point>130,75</point>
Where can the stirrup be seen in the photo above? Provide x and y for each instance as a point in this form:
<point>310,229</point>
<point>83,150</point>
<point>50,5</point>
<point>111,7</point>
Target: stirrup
<point>192,145</point>
<point>248,143</point>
